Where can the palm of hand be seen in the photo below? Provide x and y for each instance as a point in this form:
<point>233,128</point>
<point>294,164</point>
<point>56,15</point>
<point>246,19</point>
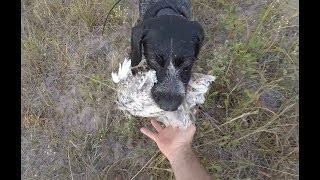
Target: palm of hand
<point>169,139</point>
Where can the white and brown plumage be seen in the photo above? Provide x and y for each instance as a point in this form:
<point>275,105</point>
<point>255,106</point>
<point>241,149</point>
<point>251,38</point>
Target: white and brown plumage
<point>134,95</point>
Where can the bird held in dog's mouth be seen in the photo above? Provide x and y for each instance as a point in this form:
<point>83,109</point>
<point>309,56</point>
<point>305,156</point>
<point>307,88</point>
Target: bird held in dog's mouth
<point>134,95</point>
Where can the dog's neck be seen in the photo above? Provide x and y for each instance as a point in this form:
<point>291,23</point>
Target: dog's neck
<point>168,11</point>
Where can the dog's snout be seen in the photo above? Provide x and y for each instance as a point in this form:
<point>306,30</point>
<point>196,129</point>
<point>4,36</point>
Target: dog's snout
<point>169,94</point>
<point>169,108</point>
<point>170,102</point>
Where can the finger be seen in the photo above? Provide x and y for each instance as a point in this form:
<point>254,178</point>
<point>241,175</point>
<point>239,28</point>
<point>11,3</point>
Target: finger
<point>148,133</point>
<point>192,129</point>
<point>156,125</point>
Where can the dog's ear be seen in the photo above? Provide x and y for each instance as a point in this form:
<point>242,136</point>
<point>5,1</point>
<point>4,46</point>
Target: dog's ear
<point>136,44</point>
<point>198,35</point>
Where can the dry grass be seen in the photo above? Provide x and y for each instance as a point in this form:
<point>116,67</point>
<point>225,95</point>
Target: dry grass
<point>71,129</point>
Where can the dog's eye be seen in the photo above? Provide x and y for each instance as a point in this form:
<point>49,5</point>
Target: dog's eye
<point>156,61</point>
<point>178,62</point>
<point>159,60</point>
<point>184,62</point>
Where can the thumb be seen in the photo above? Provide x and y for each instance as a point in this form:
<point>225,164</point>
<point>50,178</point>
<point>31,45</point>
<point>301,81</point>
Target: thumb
<point>191,130</point>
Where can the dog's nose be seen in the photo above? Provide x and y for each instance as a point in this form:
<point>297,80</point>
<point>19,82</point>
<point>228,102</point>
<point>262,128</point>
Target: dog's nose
<point>170,103</point>
<point>169,107</point>
<point>169,94</point>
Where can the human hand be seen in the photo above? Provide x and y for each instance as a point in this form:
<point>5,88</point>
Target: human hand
<point>171,140</point>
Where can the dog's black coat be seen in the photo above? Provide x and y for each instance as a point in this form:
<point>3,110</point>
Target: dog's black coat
<point>181,6</point>
<point>170,42</point>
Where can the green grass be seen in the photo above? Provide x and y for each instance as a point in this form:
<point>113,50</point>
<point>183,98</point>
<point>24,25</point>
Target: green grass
<point>71,128</point>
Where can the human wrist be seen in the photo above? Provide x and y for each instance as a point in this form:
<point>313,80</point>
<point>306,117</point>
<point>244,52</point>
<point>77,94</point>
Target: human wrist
<point>180,153</point>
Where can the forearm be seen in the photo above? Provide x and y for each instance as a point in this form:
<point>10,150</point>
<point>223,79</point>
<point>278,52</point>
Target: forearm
<point>186,166</point>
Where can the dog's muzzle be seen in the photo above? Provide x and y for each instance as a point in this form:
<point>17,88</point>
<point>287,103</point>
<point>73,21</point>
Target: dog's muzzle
<point>168,95</point>
<point>170,92</point>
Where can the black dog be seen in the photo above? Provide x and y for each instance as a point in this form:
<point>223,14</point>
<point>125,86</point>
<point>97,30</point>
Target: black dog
<point>171,43</point>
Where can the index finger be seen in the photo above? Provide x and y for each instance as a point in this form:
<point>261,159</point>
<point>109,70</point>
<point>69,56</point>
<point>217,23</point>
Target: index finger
<point>148,133</point>
<point>156,125</point>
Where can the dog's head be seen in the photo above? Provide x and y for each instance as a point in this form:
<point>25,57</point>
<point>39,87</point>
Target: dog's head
<point>170,45</point>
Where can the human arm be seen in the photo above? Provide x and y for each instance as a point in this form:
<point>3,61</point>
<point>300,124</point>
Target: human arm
<point>175,144</point>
